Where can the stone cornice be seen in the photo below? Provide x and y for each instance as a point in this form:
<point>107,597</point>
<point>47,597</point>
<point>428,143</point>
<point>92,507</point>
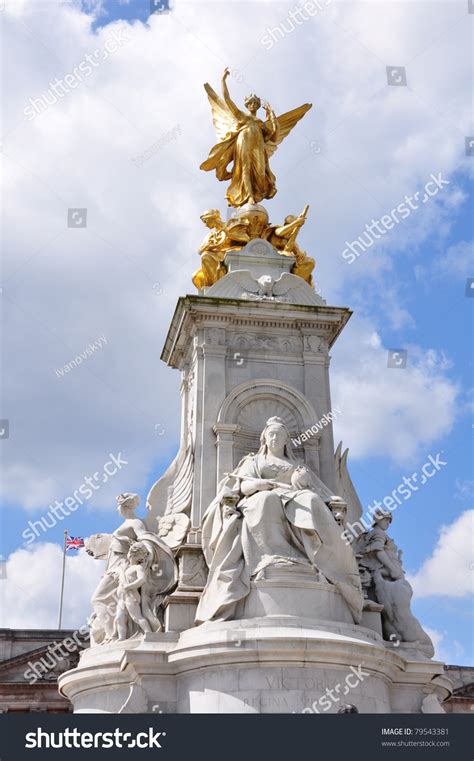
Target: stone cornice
<point>202,311</point>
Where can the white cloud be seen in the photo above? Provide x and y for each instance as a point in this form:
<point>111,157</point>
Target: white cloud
<point>464,489</point>
<point>445,651</point>
<point>30,591</point>
<point>450,569</point>
<point>64,287</point>
<point>457,261</point>
<point>389,411</point>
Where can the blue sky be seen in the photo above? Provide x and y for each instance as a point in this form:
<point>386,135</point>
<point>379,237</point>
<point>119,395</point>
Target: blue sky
<point>64,288</point>
<point>113,10</point>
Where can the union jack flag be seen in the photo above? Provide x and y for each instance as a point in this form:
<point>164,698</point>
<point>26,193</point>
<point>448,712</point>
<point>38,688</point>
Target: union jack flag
<point>74,542</point>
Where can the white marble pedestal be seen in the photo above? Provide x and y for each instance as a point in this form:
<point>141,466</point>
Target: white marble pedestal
<point>262,665</point>
<point>301,592</point>
<point>246,356</point>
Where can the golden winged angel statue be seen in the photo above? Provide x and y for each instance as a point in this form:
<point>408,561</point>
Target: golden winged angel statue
<point>247,142</point>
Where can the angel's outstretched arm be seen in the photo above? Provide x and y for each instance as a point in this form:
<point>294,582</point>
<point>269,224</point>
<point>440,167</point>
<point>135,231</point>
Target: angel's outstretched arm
<point>236,112</point>
<point>271,126</point>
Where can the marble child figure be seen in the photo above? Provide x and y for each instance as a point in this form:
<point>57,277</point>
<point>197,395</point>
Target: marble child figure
<point>115,614</point>
<point>271,511</point>
<point>131,607</point>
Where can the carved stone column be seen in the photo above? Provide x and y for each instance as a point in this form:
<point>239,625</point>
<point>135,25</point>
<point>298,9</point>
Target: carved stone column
<point>225,447</point>
<point>180,607</point>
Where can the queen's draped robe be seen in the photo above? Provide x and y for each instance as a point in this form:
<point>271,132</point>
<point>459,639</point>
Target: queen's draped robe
<point>273,527</point>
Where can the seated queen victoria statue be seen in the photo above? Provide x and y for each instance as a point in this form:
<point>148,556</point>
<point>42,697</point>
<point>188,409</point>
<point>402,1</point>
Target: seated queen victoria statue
<point>272,511</point>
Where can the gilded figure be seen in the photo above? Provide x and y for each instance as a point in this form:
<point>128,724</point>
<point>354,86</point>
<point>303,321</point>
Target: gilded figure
<point>246,142</point>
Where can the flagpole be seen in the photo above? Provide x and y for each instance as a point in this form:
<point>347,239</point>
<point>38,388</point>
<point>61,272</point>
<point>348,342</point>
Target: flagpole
<point>62,581</point>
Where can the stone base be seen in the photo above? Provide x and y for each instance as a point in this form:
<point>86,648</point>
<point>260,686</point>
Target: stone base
<point>260,665</point>
<point>180,610</point>
<point>296,590</point>
<point>371,617</point>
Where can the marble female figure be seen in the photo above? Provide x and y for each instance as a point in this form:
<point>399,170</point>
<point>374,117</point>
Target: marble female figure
<point>271,511</point>
<point>161,572</point>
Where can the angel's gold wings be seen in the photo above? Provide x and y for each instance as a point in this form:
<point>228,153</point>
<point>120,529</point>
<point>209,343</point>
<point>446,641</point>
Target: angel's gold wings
<point>226,119</point>
<point>286,122</point>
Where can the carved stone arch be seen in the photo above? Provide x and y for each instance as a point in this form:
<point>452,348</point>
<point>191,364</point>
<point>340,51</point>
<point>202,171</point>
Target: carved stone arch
<point>244,413</point>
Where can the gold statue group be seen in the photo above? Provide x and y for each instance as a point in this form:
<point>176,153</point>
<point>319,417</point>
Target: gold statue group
<point>247,142</point>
